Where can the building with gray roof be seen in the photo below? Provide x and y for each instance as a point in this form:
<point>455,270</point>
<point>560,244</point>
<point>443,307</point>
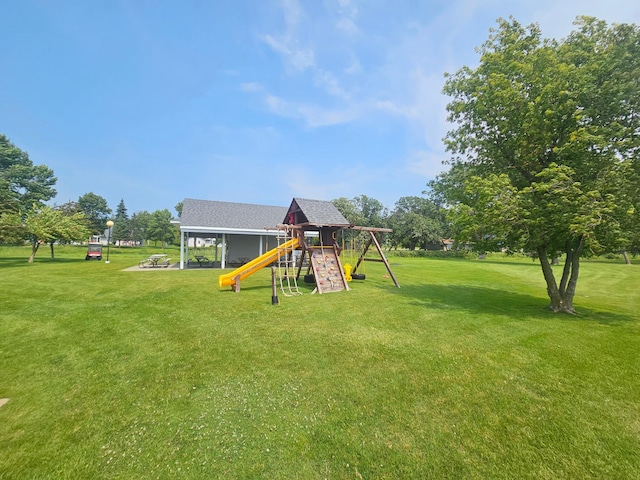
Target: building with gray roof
<point>238,232</point>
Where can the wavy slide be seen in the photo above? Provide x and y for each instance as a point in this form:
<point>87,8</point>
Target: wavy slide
<point>240,273</point>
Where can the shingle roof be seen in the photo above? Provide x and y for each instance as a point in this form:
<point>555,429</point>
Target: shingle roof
<point>319,212</point>
<point>213,215</point>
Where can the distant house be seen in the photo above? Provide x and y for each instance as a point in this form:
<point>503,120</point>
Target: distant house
<point>234,233</point>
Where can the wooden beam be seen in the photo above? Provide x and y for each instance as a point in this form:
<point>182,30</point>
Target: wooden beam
<point>371,229</point>
<point>384,259</point>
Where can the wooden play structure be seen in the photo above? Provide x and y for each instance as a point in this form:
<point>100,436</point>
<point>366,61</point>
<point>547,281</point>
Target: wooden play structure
<point>309,236</point>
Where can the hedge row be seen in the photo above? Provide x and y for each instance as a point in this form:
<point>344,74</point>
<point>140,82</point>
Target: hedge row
<point>430,253</point>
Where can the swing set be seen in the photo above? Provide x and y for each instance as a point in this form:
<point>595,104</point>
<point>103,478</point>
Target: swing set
<point>324,266</point>
<point>372,240</point>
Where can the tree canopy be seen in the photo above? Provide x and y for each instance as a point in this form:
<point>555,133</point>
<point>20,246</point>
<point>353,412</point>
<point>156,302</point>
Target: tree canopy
<point>160,228</point>
<point>417,222</point>
<point>22,184</point>
<point>46,224</point>
<point>545,145</point>
<point>96,210</point>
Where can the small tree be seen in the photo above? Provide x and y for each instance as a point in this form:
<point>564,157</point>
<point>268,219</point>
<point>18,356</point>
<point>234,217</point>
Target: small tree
<point>44,224</point>
<point>121,227</point>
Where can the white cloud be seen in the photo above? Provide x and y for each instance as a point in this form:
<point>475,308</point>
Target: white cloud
<point>287,43</point>
<point>251,87</point>
<point>347,7</point>
<point>292,13</point>
<point>403,79</point>
<point>427,164</point>
<point>556,18</point>
<point>347,14</point>
<point>312,115</point>
<point>393,108</point>
<point>354,68</point>
<point>304,182</point>
<point>330,84</point>
<point>347,26</point>
<point>298,57</point>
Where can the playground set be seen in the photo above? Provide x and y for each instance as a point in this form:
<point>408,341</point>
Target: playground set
<point>309,235</point>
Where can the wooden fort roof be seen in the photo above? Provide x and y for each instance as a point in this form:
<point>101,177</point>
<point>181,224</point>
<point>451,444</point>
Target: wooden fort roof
<point>316,213</point>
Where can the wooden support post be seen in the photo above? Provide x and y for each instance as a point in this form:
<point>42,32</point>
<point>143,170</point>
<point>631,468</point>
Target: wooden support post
<point>384,259</point>
<point>274,287</point>
<point>364,252</point>
<point>340,268</point>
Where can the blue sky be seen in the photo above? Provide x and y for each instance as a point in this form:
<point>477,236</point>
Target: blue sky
<point>254,101</point>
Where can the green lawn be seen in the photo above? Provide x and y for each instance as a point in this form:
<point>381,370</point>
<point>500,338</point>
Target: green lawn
<point>461,373</point>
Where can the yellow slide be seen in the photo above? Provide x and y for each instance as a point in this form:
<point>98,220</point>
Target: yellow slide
<point>240,273</point>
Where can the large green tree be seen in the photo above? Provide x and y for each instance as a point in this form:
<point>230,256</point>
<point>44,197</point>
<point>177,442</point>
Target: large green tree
<point>23,185</point>
<point>139,223</point>
<point>416,222</point>
<point>160,228</point>
<point>545,145</point>
<point>96,210</point>
<point>363,211</point>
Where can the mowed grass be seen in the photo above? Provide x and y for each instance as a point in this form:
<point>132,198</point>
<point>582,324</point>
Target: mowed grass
<point>461,373</point>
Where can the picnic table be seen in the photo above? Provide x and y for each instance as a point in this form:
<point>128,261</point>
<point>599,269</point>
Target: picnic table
<point>201,259</point>
<point>155,261</point>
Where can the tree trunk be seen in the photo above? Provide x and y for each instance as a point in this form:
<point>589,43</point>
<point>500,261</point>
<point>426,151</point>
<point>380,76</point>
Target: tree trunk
<point>52,254</point>
<point>550,279</point>
<point>562,296</point>
<point>627,260</point>
<point>34,250</point>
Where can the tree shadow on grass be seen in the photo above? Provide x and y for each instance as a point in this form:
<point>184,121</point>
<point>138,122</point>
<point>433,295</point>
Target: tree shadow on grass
<point>483,301</point>
<point>23,261</point>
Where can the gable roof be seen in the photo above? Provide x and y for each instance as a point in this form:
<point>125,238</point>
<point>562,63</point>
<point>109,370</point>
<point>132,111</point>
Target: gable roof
<point>315,212</point>
<point>228,217</point>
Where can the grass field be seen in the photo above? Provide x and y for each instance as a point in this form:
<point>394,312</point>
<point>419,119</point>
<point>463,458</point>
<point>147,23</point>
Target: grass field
<point>461,373</point>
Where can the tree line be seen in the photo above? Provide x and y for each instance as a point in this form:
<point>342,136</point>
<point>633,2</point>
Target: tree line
<point>25,189</point>
<point>417,222</point>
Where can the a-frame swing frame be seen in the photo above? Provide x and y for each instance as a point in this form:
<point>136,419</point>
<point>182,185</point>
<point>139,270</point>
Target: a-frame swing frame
<point>374,241</point>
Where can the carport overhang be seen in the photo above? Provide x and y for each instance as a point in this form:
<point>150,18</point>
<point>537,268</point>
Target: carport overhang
<point>198,231</point>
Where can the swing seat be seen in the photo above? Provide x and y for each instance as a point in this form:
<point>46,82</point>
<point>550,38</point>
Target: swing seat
<point>358,276</point>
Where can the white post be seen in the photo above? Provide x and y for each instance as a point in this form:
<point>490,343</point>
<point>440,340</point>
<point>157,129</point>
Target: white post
<point>223,260</point>
<point>186,257</point>
<point>182,250</point>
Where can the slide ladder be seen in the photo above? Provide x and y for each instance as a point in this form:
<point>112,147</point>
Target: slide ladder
<point>287,268</point>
